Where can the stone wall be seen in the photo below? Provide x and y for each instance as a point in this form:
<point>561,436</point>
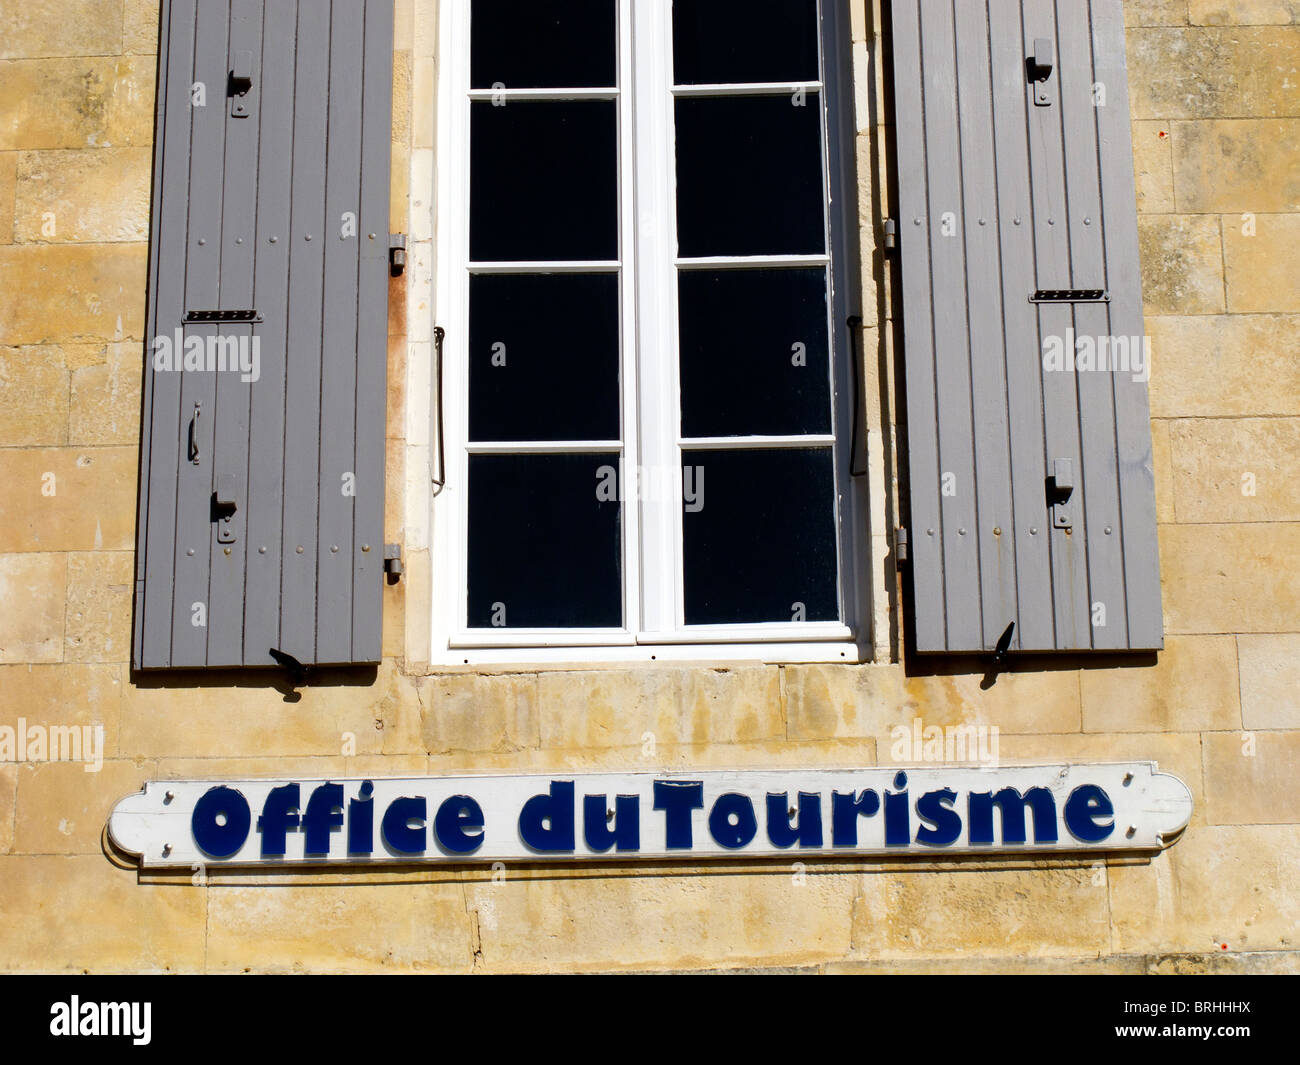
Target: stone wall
<point>1216,108</point>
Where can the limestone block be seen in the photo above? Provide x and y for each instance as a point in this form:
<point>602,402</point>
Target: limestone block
<point>1153,162</point>
<point>31,623</point>
<point>92,102</point>
<point>1244,12</point>
<point>52,293</point>
<point>95,195</point>
<point>1182,264</point>
<point>1155,13</point>
<point>1201,72</point>
<point>98,624</point>
<point>1270,681</point>
<point>1230,578</point>
<point>350,928</point>
<point>68,499</point>
<point>1162,461</point>
<point>141,27</point>
<point>33,397</point>
<point>583,923</point>
<point>1230,887</point>
<point>32,30</point>
<point>1237,165</point>
<point>1049,912</point>
<point>77,913</point>
<point>234,715</point>
<point>1250,778</point>
<point>66,695</point>
<point>1261,270</point>
<point>62,809</point>
<point>8,182</point>
<point>1228,469</point>
<point>1225,365</point>
<point>619,708</point>
<point>1191,688</point>
<point>469,712</point>
<point>104,407</point>
<point>826,702</point>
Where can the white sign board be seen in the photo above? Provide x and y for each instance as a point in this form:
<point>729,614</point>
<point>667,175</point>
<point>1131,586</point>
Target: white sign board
<point>636,816</point>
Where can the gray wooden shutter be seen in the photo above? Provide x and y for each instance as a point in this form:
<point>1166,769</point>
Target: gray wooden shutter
<point>261,514</point>
<point>1031,488</point>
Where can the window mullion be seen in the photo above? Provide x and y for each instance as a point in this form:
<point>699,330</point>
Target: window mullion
<point>657,315</point>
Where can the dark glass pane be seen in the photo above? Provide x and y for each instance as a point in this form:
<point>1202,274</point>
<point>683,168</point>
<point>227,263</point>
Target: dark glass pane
<point>749,176</point>
<point>717,42</point>
<point>541,44</point>
<point>544,542</point>
<point>543,357</point>
<point>544,181</point>
<point>754,354</point>
<point>759,536</point>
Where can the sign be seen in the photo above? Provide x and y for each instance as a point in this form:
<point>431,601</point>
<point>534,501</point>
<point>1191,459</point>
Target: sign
<point>635,816</point>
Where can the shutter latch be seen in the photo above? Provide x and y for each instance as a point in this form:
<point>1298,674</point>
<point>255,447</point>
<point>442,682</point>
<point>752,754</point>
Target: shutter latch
<point>1060,486</point>
<point>240,83</point>
<point>396,253</point>
<point>1040,66</point>
<point>224,506</point>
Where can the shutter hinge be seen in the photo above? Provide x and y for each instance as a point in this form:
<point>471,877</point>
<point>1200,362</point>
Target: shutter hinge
<point>393,562</point>
<point>891,235</point>
<point>396,253</point>
<point>900,546</point>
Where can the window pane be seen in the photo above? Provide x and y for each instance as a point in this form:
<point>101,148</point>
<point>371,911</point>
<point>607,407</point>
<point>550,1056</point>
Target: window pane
<point>749,176</point>
<point>754,353</point>
<point>759,536</point>
<point>544,181</point>
<point>540,44</point>
<point>544,357</point>
<point>718,42</point>
<point>544,542</point>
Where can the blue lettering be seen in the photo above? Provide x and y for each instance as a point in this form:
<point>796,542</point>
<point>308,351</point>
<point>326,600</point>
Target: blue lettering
<point>453,818</point>
<point>1011,804</point>
<point>396,828</point>
<point>361,821</point>
<point>808,831</point>
<point>732,823</point>
<point>279,814</point>
<point>324,814</point>
<point>935,807</point>
<point>625,833</point>
<point>220,822</point>
<point>898,830</point>
<point>1086,804</point>
<point>677,798</point>
<point>845,811</point>
<point>546,821</point>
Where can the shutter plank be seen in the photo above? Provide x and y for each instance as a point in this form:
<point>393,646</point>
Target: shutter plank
<point>271,297</point>
<point>339,343</point>
<point>303,376</point>
<point>922,436</point>
<point>1132,409</point>
<point>161,442</point>
<point>1023,353</point>
<point>994,529</point>
<point>372,336</point>
<point>1098,477</point>
<point>952,362</point>
<point>202,292</point>
<point>230,448</point>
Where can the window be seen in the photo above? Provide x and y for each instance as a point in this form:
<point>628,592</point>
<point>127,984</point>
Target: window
<point>647,381</point>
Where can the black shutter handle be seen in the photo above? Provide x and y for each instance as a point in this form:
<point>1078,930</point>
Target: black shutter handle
<point>194,434</point>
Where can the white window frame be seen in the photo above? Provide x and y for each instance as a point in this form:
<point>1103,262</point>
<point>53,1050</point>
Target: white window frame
<point>652,528</point>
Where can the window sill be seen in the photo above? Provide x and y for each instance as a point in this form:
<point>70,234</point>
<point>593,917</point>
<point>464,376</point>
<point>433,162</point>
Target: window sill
<point>576,657</point>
